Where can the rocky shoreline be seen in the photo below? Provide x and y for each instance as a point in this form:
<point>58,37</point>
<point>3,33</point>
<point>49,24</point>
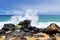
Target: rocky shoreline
<point>23,29</point>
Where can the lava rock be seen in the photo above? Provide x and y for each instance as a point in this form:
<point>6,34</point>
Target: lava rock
<point>8,27</point>
<point>25,22</point>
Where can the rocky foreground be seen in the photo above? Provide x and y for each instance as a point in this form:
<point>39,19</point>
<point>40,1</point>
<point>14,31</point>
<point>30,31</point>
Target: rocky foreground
<point>24,31</point>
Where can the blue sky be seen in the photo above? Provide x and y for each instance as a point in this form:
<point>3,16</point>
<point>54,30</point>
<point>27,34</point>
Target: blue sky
<point>17,7</point>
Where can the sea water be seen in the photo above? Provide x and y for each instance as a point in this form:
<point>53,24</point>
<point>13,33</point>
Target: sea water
<point>43,20</point>
<point>5,18</point>
<point>39,21</point>
<point>49,18</point>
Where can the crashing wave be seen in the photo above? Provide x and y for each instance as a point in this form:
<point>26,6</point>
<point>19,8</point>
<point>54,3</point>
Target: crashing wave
<point>30,15</point>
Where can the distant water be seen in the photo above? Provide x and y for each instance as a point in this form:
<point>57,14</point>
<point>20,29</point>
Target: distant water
<point>49,18</point>
<point>5,18</point>
<point>42,18</point>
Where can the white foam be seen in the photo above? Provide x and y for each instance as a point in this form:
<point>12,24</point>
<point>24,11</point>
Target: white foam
<point>30,15</point>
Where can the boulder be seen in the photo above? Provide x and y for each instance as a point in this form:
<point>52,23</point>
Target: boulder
<point>25,25</point>
<point>8,27</point>
<point>52,26</point>
<point>20,23</point>
<point>52,29</point>
<point>25,22</point>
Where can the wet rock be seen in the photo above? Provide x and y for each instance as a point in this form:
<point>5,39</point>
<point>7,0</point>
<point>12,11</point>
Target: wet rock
<point>20,23</point>
<point>2,32</point>
<point>26,27</point>
<point>32,31</point>
<point>25,22</point>
<point>5,29</point>
<point>26,30</point>
<point>8,27</point>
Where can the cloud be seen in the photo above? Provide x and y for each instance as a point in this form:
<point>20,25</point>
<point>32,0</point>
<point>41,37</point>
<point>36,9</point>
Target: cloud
<point>43,6</point>
<point>21,12</point>
<point>15,12</point>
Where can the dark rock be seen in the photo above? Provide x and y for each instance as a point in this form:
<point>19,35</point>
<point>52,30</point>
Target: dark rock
<point>8,27</point>
<point>5,29</point>
<point>20,23</point>
<point>25,22</point>
<point>25,25</point>
<point>2,32</point>
<point>32,31</point>
<point>13,29</point>
<point>26,30</point>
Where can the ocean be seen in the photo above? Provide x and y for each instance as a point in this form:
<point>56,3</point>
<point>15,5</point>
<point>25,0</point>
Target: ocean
<point>49,18</point>
<point>5,18</point>
<point>42,18</point>
<point>41,21</point>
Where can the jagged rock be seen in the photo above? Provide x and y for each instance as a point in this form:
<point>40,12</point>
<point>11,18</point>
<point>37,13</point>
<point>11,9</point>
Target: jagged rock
<point>8,27</point>
<point>1,32</point>
<point>52,29</point>
<point>25,22</point>
<point>53,26</point>
<point>32,31</point>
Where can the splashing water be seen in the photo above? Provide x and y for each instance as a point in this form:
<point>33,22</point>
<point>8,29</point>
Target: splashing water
<point>29,15</point>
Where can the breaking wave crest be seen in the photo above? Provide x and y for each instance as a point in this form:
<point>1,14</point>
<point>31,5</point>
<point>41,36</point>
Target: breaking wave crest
<point>29,15</point>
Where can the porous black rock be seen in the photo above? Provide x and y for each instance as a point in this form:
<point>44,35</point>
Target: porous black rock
<point>26,27</point>
<point>8,27</point>
<point>25,23</point>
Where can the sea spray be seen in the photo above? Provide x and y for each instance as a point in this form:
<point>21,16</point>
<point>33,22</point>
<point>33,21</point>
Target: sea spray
<point>29,15</point>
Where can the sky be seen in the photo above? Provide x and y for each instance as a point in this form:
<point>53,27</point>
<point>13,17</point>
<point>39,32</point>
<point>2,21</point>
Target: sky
<point>18,7</point>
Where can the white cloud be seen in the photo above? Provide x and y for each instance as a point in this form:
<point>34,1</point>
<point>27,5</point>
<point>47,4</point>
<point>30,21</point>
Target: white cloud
<point>43,7</point>
<point>15,12</point>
